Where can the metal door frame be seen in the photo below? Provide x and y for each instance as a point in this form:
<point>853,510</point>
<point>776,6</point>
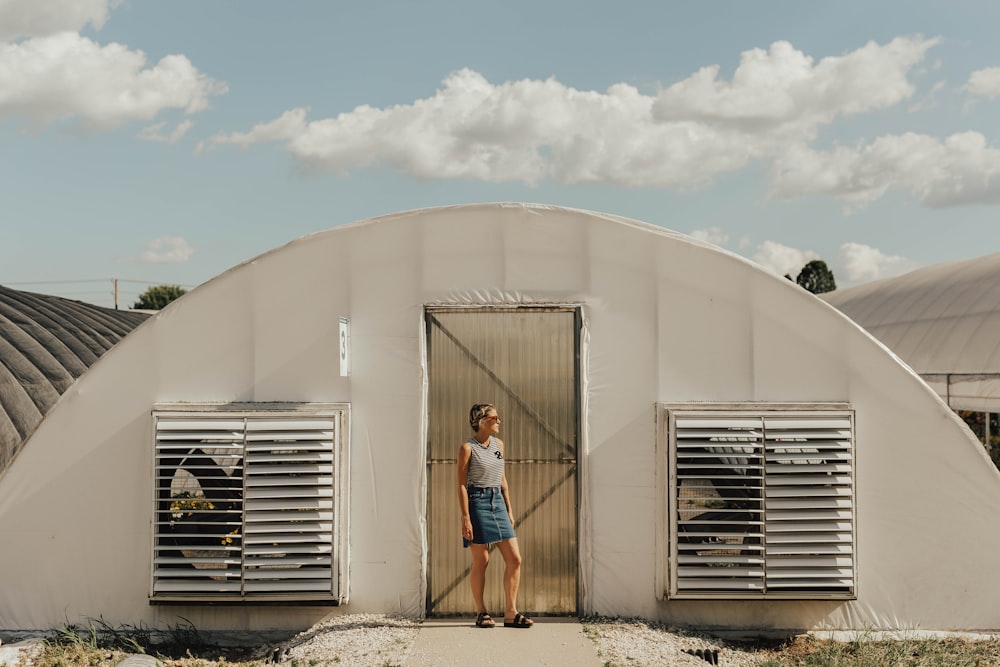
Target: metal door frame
<point>578,367</point>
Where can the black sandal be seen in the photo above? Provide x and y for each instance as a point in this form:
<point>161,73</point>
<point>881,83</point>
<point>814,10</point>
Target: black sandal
<point>483,620</point>
<point>520,621</point>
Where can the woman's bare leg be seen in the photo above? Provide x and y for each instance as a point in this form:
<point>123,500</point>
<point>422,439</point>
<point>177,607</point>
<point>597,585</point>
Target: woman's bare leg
<point>480,559</point>
<point>511,575</point>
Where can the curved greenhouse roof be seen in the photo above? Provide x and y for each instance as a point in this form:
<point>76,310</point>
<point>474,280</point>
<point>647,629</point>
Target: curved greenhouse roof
<point>391,327</point>
<point>46,343</point>
<point>943,321</point>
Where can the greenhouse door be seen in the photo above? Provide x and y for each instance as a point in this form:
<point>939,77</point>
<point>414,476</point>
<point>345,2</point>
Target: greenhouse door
<point>525,361</point>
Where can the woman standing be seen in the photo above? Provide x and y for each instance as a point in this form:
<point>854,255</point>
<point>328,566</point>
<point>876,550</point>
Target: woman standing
<point>487,517</point>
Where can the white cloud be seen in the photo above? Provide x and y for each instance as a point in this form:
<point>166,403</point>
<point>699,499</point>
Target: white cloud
<point>167,250</point>
<point>155,132</point>
<point>712,235</point>
<point>287,127</point>
<point>38,18</point>
<point>862,263</point>
<point>532,130</point>
<point>66,75</point>
<point>781,259</point>
<point>959,170</point>
<point>782,88</point>
<point>984,83</point>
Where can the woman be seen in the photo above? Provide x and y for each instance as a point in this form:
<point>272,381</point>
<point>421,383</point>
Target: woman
<point>486,514</point>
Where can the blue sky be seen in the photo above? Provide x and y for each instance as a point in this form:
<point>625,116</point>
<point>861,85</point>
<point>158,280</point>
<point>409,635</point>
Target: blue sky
<point>165,142</point>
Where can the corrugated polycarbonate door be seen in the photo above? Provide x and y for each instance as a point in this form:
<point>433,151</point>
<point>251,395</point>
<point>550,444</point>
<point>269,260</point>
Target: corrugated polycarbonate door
<point>524,361</point>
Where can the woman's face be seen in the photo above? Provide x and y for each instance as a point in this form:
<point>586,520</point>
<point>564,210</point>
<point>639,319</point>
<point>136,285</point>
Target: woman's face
<point>491,422</point>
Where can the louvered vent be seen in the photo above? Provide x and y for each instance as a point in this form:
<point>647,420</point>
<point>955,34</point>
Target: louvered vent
<point>763,504</point>
<point>248,506</point>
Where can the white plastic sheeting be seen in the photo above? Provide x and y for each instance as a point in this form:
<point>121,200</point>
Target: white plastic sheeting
<point>665,319</point>
<point>943,321</point>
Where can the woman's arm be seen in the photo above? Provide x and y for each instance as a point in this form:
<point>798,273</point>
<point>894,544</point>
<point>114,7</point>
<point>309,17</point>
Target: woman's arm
<point>464,454</point>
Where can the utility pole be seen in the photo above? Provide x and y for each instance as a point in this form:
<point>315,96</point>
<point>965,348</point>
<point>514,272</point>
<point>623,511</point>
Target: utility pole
<point>115,280</point>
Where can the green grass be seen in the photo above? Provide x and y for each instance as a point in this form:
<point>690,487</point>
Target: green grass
<point>866,650</point>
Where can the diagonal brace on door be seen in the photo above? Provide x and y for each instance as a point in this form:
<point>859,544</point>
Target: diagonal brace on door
<point>538,419</point>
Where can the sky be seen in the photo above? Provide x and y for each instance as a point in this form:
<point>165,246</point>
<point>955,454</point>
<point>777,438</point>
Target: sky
<point>150,142</point>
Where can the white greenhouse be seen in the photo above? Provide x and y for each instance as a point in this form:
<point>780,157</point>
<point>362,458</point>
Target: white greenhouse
<point>690,439</point>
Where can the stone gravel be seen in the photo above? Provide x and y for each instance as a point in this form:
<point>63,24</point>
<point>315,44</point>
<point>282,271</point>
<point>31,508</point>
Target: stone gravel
<point>358,640</point>
<point>640,643</point>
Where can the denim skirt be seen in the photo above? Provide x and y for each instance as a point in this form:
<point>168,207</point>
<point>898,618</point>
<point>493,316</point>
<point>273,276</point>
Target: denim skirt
<point>490,521</point>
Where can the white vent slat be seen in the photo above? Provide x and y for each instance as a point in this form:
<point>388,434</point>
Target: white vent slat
<point>176,560</point>
<point>806,526</point>
<point>292,565</point>
<point>807,491</point>
<point>294,504</point>
<point>716,547</point>
<point>290,424</point>
<point>298,543</point>
<point>702,560</point>
<point>304,491</point>
<point>301,480</point>
<point>263,528</point>
<point>287,469</point>
<point>231,448</point>
<point>805,480</point>
<point>811,514</point>
<point>213,438</point>
<point>721,572</point>
<point>199,587</point>
<point>222,570</point>
<point>811,584</point>
<point>692,525</point>
<point>826,562</point>
<point>807,549</point>
<point>290,446</point>
<point>164,424</point>
<point>813,503</point>
<point>827,467</point>
<point>302,516</point>
<point>314,586</point>
<point>717,421</point>
<point>715,585</point>
<point>807,572</point>
<point>809,422</point>
<point>291,457</point>
<point>802,538</point>
<point>271,550</point>
<point>794,457</point>
<point>284,573</point>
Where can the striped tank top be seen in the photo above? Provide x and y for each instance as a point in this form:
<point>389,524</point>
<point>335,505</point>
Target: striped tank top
<point>485,464</point>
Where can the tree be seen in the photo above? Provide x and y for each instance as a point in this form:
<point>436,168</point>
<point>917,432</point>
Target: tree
<point>816,277</point>
<point>158,296</point>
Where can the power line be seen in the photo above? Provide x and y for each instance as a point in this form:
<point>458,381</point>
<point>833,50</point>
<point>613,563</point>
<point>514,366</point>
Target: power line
<point>94,280</point>
<point>56,282</point>
<point>114,290</point>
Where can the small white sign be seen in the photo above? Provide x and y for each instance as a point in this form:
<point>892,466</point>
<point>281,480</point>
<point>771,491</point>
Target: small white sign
<point>345,346</point>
